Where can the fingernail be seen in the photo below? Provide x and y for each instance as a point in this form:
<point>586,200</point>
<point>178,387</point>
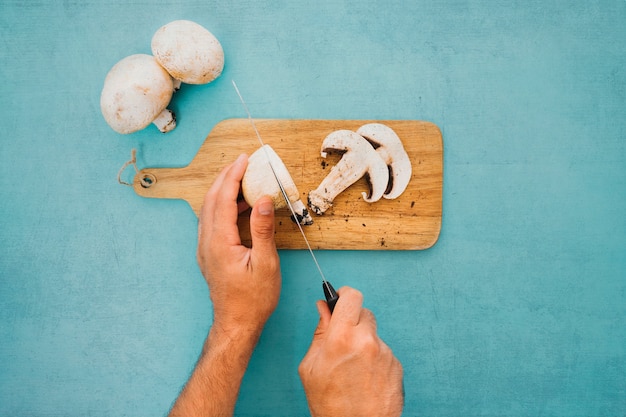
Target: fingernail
<point>319,309</point>
<point>266,208</point>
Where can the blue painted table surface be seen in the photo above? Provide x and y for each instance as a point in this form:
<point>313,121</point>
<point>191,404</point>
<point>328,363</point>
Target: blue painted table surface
<point>518,310</point>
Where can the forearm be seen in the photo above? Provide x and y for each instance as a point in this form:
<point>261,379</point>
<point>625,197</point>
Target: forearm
<point>214,384</point>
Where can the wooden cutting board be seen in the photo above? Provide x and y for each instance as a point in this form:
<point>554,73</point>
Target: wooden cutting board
<point>409,222</point>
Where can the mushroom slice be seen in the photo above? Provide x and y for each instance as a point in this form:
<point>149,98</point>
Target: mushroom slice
<point>188,51</point>
<point>389,146</point>
<point>259,181</point>
<point>359,159</point>
<point>136,93</point>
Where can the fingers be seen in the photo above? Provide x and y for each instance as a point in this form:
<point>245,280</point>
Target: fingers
<point>318,338</point>
<point>325,315</point>
<point>368,319</point>
<point>349,306</point>
<point>226,211</point>
<point>242,205</point>
<point>322,325</point>
<point>349,314</point>
<point>348,310</point>
<point>262,227</point>
<point>208,204</point>
<point>220,208</point>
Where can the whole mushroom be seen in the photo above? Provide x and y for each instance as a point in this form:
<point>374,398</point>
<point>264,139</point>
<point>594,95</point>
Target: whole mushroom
<point>136,92</point>
<point>188,51</point>
<point>359,159</point>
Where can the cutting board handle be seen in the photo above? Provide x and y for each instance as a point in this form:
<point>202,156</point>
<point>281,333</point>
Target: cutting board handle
<point>173,183</point>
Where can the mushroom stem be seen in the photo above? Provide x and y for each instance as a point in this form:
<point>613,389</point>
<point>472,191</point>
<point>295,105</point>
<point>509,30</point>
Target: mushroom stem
<point>359,160</point>
<point>165,121</point>
<point>347,171</point>
<point>301,212</point>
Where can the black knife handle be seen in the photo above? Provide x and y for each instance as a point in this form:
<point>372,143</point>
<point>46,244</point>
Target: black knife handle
<point>330,294</point>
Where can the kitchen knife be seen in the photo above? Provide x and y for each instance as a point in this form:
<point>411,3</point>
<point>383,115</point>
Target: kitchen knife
<point>329,292</point>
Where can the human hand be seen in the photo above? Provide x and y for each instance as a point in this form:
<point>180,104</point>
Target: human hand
<point>244,283</point>
<point>349,370</point>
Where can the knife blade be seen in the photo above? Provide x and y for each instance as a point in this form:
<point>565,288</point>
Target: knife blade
<point>329,292</point>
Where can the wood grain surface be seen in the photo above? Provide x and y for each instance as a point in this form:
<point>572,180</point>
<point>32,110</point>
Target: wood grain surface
<point>411,221</point>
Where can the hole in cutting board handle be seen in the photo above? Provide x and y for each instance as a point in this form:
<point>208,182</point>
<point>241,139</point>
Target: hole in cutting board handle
<point>147,180</point>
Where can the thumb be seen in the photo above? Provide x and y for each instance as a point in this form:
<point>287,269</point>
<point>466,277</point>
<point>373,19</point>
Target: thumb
<point>262,225</point>
<point>318,338</point>
<point>322,326</point>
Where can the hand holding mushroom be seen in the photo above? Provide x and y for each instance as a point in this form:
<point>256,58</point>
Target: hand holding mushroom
<point>257,182</point>
<point>138,89</point>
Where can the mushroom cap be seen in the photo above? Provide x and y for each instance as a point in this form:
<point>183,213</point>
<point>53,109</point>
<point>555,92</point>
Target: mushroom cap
<point>389,146</point>
<point>188,51</point>
<point>259,180</point>
<point>136,90</point>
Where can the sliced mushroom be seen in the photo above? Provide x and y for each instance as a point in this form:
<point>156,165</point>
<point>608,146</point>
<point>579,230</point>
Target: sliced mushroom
<point>259,181</point>
<point>359,159</point>
<point>389,146</point>
<point>188,51</point>
<point>136,93</point>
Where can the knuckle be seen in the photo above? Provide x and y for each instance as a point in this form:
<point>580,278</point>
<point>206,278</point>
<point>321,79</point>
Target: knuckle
<point>351,293</point>
<point>398,366</point>
<point>369,346</point>
<point>305,369</point>
<point>302,368</point>
<point>264,231</point>
<point>369,317</point>
<point>340,344</point>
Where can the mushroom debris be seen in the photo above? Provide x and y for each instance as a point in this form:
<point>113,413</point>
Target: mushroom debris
<point>136,93</point>
<point>375,152</point>
<point>189,52</point>
<point>257,182</point>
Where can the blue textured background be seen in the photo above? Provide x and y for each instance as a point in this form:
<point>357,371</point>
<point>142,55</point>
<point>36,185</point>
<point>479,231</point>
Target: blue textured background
<point>518,310</point>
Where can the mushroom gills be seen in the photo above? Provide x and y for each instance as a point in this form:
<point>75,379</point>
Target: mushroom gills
<point>390,148</point>
<point>261,179</point>
<point>359,160</point>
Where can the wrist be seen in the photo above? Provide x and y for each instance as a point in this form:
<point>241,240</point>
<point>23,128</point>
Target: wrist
<point>235,331</point>
<point>239,321</point>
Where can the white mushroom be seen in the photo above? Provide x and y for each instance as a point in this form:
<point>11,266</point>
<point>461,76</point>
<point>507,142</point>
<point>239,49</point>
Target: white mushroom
<point>360,159</point>
<point>259,181</point>
<point>188,51</point>
<point>389,146</point>
<point>136,93</point>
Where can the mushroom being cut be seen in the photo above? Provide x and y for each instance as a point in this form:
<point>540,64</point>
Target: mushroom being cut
<point>136,92</point>
<point>359,159</point>
<point>259,181</point>
<point>188,51</point>
<point>389,146</point>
